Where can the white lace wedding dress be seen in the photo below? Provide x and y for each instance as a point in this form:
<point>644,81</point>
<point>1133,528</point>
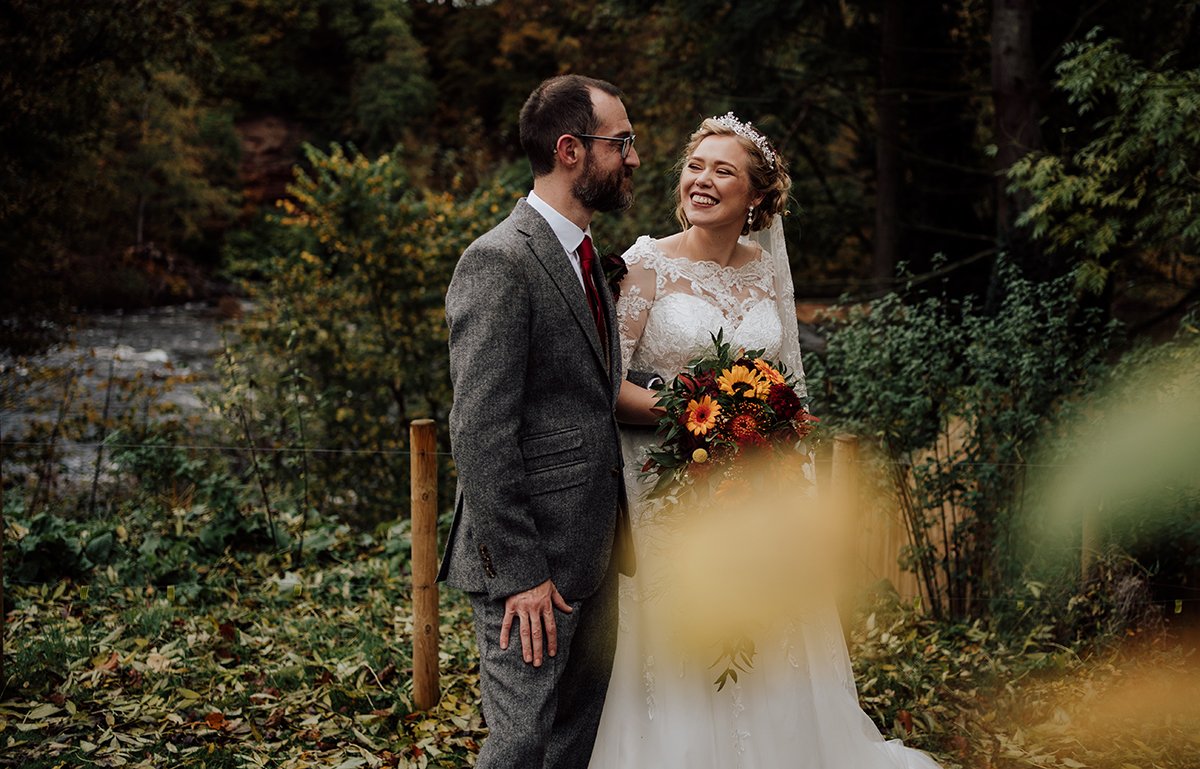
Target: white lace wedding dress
<point>798,707</point>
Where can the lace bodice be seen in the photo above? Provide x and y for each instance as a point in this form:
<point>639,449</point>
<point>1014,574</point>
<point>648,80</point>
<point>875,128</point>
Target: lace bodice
<point>670,305</point>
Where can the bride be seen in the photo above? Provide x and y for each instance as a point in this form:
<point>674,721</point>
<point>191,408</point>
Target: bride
<point>726,270</point>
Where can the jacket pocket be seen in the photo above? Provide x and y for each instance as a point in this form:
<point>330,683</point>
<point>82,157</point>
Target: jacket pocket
<point>556,447</point>
<point>558,477</point>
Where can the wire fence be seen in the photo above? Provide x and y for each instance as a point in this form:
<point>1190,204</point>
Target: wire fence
<point>97,593</point>
<point>873,462</point>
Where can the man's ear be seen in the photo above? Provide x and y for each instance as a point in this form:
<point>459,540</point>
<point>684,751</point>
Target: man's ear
<point>569,151</point>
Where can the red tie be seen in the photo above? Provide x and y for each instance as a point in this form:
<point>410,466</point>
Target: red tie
<point>587,260</point>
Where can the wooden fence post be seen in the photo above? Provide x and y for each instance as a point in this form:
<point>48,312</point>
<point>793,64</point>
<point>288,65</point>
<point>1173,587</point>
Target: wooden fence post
<point>844,476</point>
<point>423,481</point>
<point>1089,545</point>
<point>843,487</point>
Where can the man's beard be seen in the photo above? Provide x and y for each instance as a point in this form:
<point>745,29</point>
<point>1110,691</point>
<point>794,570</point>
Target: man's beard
<point>603,193</point>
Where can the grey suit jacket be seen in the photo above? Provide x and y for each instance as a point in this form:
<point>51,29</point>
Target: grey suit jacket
<point>541,491</point>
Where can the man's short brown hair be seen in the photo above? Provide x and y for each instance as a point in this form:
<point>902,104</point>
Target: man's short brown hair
<point>560,105</point>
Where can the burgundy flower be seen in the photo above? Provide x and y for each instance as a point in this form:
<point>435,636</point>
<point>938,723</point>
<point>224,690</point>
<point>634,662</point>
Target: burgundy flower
<point>706,382</point>
<point>614,271</point>
<point>783,401</point>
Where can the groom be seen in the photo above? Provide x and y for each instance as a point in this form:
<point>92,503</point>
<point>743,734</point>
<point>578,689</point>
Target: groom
<point>540,527</point>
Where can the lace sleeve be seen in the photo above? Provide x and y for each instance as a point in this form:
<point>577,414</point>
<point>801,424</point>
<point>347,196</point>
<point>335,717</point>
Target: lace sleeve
<point>633,308</point>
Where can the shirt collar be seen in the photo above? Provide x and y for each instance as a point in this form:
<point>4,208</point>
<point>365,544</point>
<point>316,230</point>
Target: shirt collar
<point>568,233</point>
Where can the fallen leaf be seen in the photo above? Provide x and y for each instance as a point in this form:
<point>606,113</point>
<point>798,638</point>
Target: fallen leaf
<point>43,711</point>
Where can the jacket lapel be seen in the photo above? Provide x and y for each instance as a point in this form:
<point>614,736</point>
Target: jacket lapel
<point>546,248</point>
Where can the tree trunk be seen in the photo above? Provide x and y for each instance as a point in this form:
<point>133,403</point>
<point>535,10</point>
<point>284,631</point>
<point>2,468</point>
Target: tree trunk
<point>1017,129</point>
<point>887,151</point>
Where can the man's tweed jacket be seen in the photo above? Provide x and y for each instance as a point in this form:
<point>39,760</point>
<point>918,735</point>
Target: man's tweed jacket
<point>540,485</point>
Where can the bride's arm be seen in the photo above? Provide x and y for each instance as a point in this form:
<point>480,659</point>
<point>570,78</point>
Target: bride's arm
<point>635,404</point>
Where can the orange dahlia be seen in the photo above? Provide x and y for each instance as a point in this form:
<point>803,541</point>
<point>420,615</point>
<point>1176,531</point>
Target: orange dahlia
<point>768,372</point>
<point>745,423</point>
<point>745,429</point>
<point>701,415</point>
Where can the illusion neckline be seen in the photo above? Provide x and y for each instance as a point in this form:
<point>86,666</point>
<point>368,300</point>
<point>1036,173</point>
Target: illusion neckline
<point>758,260</point>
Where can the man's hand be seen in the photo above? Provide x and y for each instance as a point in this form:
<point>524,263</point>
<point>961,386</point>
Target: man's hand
<point>535,609</point>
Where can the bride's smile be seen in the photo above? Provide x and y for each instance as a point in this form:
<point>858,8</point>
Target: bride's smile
<point>715,185</point>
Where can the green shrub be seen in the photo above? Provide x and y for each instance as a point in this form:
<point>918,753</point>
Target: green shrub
<point>955,399</point>
<point>348,341</point>
<point>1124,186</point>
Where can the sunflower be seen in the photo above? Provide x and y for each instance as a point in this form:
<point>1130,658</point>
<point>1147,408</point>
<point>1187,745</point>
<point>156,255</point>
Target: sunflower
<point>741,379</point>
<point>701,415</point>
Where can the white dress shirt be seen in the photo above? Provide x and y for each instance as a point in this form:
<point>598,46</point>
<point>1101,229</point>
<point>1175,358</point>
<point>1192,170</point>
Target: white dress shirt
<point>569,235</point>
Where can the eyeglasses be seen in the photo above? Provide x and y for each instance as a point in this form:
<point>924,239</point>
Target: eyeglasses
<point>626,141</point>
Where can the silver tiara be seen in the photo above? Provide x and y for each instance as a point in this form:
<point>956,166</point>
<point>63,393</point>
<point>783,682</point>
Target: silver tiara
<point>730,121</point>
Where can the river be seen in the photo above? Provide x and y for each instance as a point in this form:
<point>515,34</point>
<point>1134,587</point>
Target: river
<point>176,344</point>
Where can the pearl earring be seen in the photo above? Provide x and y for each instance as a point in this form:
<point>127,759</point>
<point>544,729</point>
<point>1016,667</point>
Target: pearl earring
<point>750,216</point>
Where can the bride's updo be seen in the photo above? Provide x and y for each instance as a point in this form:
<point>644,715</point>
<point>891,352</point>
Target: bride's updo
<point>768,170</point>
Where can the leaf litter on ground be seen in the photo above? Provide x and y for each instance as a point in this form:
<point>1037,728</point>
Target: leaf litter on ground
<point>258,676</point>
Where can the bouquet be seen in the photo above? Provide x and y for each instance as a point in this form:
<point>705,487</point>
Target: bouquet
<point>729,414</point>
<point>724,410</point>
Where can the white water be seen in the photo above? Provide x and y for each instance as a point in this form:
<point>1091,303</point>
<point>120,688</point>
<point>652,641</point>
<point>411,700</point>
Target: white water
<point>180,341</point>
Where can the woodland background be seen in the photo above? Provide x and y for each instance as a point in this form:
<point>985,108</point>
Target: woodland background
<point>996,210</point>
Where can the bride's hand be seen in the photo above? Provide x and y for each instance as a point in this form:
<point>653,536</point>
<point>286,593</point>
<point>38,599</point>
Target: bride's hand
<point>637,405</point>
<point>535,610</point>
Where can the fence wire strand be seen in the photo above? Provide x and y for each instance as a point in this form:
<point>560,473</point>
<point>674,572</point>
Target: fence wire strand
<point>407,452</point>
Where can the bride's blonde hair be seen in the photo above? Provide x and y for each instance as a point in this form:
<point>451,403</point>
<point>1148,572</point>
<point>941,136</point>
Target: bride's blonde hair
<point>767,178</point>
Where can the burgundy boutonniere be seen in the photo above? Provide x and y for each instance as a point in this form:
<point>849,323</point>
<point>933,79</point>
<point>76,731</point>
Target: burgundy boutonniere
<point>614,271</point>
